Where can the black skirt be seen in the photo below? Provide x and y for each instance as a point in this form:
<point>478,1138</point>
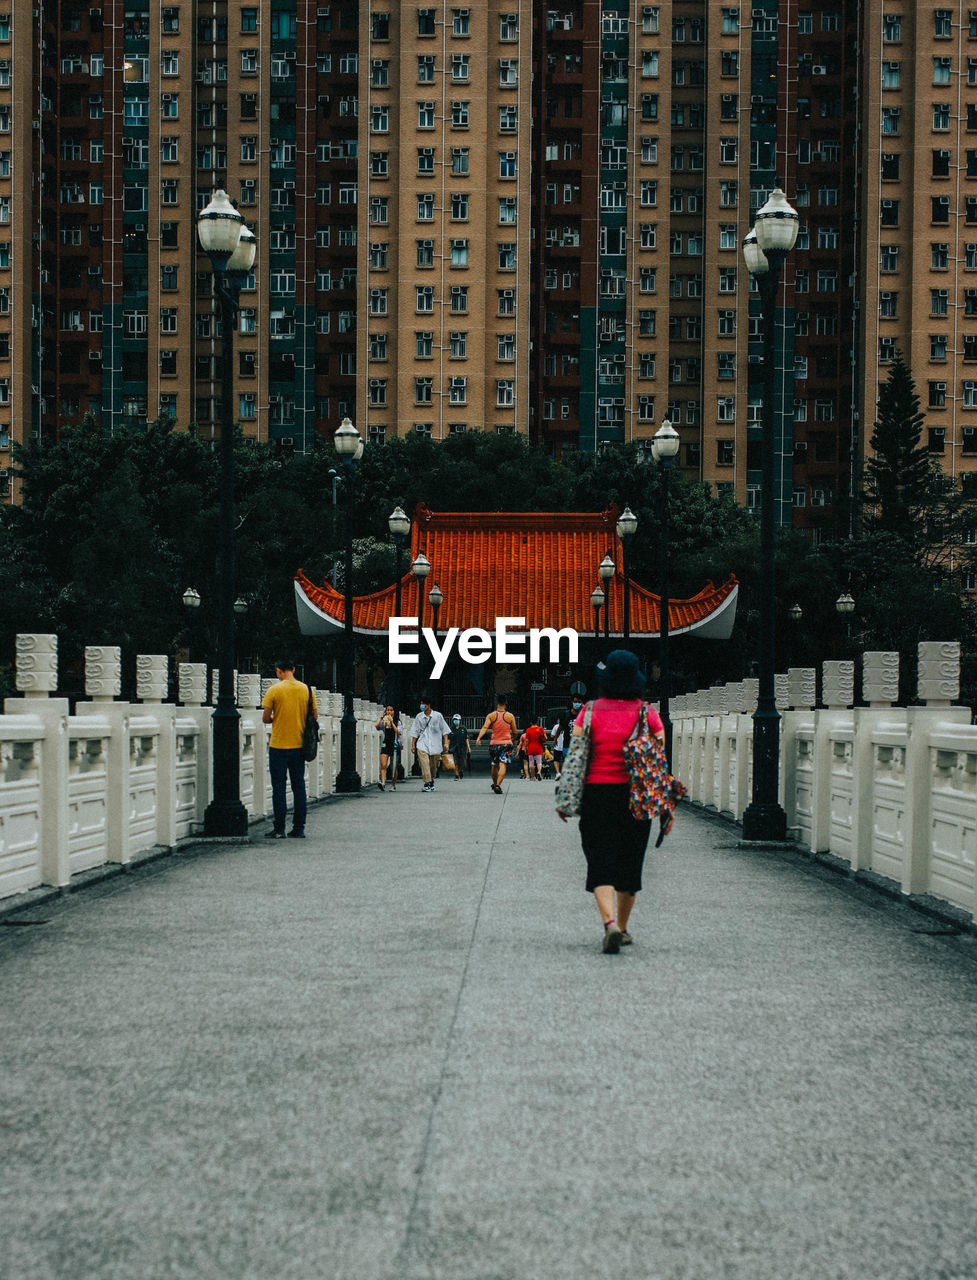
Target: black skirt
<point>613,842</point>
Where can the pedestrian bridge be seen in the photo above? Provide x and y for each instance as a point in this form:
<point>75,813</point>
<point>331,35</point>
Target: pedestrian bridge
<point>395,1051</point>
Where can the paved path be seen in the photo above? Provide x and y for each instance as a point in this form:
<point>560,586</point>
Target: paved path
<point>395,1052</point>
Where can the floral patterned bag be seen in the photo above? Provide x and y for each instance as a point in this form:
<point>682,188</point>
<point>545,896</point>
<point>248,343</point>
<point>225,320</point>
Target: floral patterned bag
<point>569,786</point>
<point>654,792</point>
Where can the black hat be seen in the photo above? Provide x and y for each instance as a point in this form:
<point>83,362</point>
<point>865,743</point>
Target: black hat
<point>619,675</point>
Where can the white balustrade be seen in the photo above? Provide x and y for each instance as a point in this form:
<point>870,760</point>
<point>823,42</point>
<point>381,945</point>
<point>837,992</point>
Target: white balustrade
<point>117,780</point>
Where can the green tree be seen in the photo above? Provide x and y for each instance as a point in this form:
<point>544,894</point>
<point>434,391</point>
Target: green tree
<point>902,482</point>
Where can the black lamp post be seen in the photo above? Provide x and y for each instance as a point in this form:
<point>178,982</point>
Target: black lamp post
<point>845,605</point>
<point>191,603</point>
<point>349,445</point>
<point>664,447</point>
<point>398,522</point>
<point>435,598</point>
<point>626,527</point>
<point>231,247</point>
<point>420,568</point>
<point>765,248</point>
<point>606,570</point>
<point>597,599</point>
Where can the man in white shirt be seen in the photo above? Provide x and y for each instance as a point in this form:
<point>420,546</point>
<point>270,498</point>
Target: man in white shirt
<point>428,737</point>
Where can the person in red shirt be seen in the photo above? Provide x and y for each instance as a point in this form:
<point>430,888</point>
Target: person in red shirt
<point>532,740</point>
<point>614,842</point>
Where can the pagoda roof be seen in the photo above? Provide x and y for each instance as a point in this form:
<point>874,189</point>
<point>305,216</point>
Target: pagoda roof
<point>541,566</point>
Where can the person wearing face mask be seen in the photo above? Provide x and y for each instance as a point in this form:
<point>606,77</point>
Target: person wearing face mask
<point>459,746</point>
<point>559,735</point>
<point>429,738</point>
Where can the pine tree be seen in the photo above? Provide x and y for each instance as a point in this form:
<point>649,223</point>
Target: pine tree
<point>902,482</point>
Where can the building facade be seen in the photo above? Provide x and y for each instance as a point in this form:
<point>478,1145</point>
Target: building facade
<point>503,217</point>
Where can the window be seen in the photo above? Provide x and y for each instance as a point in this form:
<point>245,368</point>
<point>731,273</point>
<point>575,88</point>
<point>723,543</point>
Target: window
<point>378,391</point>
<point>941,70</point>
<point>459,299</point>
<point>942,24</point>
<point>507,209</point>
<point>423,390</point>
<point>937,346</point>
<point>424,344</point>
<point>425,115</point>
<point>649,193</point>
<point>458,390</point>
<point>506,346</point>
<point>936,439</point>
<point>940,209</point>
<point>507,256</point>
<point>505,393</point>
<point>890,75</point>
<point>424,298</point>
<point>507,164</point>
<point>459,68</point>
<point>888,304</point>
<point>381,26</point>
<point>507,302</point>
<point>508,73</point>
<point>727,150</point>
<point>508,119</point>
<point>425,206</point>
<point>378,302</point>
<point>889,257</point>
<point>425,22</point>
<point>380,118</point>
<point>458,344</point>
<point>459,206</point>
<point>459,115</point>
<point>459,160</point>
<point>647,323</point>
<point>941,116</point>
<point>727,279</point>
<point>425,160</point>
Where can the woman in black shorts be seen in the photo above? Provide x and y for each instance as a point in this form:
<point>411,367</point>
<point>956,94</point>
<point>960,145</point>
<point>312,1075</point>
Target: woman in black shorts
<point>390,728</point>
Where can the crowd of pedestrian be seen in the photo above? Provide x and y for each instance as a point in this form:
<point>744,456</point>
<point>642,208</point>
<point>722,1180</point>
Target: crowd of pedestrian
<point>604,754</point>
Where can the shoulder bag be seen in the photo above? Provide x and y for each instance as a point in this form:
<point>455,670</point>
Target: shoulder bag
<point>654,791</point>
<point>569,785</point>
<point>310,734</point>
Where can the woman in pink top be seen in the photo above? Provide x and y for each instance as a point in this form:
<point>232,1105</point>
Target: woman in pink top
<point>614,842</point>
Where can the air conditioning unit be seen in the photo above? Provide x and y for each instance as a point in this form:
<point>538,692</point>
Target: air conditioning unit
<point>78,328</point>
<point>800,446</point>
<point>288,186</point>
<point>819,71</point>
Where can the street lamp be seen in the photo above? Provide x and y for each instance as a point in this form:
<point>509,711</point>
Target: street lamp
<point>191,603</point>
<point>845,605</point>
<point>664,447</point>
<point>626,527</point>
<point>348,444</point>
<point>231,248</point>
<point>436,597</point>
<point>796,613</point>
<point>420,568</point>
<point>597,599</point>
<point>606,570</point>
<point>398,522</point>
<point>764,249</point>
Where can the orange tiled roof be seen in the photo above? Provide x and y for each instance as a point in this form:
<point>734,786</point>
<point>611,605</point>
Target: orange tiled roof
<point>537,566</point>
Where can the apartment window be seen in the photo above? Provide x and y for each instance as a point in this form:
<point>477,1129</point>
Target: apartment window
<point>424,299</point>
<point>378,255</point>
<point>890,75</point>
<point>888,257</point>
<point>425,22</point>
<point>459,115</point>
<point>505,396</point>
<point>424,344</point>
<point>506,346</point>
<point>380,118</point>
<point>728,63</point>
<point>425,161</point>
<point>507,209</point>
<point>941,71</point>
<point>378,302</point>
<point>890,120</point>
<point>379,210</point>
<point>970,395</point>
<point>379,164</point>
<point>458,390</point>
<point>938,346</point>
<point>381,26</point>
<point>507,257</point>
<point>458,344</point>
<point>888,304</point>
<point>507,302</point>
<point>941,117</point>
<point>508,73</point>
<point>942,24</point>
<point>425,253</point>
<point>507,164</point>
<point>727,150</point>
<point>459,160</point>
<point>425,115</point>
<point>425,206</point>
<point>725,449</point>
<point>459,206</point>
<point>378,391</point>
<point>727,279</point>
<point>508,119</point>
<point>459,299</point>
<point>649,193</point>
<point>423,390</point>
<point>459,68</point>
<point>647,325</point>
<point>940,209</point>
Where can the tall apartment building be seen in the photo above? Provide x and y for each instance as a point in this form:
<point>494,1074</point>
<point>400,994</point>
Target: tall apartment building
<point>504,217</point>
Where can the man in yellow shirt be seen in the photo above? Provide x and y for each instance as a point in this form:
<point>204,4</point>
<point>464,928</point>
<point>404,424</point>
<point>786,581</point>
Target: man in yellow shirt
<point>286,706</point>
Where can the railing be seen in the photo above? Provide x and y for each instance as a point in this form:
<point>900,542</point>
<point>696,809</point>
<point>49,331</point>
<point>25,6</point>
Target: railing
<point>118,781</point>
<point>890,792</point>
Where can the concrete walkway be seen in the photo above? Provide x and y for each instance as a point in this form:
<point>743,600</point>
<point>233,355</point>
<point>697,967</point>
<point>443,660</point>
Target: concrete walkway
<point>395,1052</point>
